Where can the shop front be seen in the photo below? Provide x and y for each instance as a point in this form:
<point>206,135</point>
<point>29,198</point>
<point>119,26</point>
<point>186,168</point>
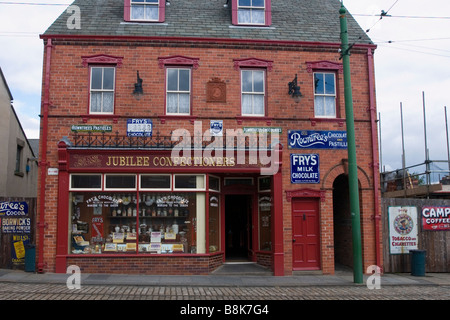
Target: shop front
<point>147,212</point>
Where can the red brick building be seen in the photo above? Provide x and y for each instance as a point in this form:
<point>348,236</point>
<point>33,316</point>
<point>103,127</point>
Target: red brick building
<point>171,143</point>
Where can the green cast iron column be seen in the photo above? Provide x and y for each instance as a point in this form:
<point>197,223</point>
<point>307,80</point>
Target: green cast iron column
<point>352,168</point>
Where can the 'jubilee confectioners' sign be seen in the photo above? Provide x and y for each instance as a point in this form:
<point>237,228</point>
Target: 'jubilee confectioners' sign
<point>154,161</point>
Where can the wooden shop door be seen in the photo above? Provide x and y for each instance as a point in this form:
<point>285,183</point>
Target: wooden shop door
<point>305,234</point>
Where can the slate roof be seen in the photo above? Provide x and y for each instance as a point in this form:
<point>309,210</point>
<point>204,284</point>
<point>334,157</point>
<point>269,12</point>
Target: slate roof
<point>292,20</point>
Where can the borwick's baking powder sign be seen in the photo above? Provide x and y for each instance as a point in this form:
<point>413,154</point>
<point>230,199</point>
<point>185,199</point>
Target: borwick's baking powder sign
<point>402,229</point>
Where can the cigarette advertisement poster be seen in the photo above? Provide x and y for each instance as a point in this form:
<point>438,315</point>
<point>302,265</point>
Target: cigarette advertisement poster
<point>402,229</point>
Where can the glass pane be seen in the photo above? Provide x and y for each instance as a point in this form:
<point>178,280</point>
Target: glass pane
<point>330,107</point>
<point>172,103</point>
<point>319,107</point>
<point>120,181</point>
<point>167,223</point>
<point>96,79</point>
<point>329,83</point>
<point>258,81</point>
<point>96,102</point>
<point>108,78</point>
<point>214,223</point>
<point>214,183</point>
<point>265,239</point>
<point>137,12</point>
<point>244,2</point>
<point>247,81</point>
<point>185,182</point>
<point>108,102</point>
<point>172,79</point>
<point>86,181</point>
<point>244,16</point>
<point>258,104</point>
<point>184,103</point>
<point>137,1</point>
<point>155,182</point>
<point>151,1</point>
<point>184,80</point>
<point>246,104</point>
<point>151,13</point>
<point>318,83</point>
<point>258,3</point>
<point>258,16</point>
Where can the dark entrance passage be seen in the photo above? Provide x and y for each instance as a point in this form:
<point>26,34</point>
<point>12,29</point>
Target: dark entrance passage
<point>238,226</point>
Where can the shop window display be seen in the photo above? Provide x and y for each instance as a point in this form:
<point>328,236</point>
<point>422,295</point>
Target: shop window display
<point>146,222</point>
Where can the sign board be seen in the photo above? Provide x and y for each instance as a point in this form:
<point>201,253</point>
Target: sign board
<point>16,225</point>
<point>267,130</point>
<point>216,127</point>
<point>139,127</point>
<point>308,139</point>
<point>305,168</point>
<point>92,127</point>
<point>435,218</point>
<point>13,209</point>
<point>402,229</point>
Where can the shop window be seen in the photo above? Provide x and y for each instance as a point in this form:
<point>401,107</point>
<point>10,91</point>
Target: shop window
<point>86,181</point>
<point>121,223</point>
<point>196,182</point>
<point>264,184</point>
<point>265,209</point>
<point>156,182</point>
<point>324,94</point>
<point>214,223</point>
<point>214,183</point>
<point>102,85</point>
<point>117,181</point>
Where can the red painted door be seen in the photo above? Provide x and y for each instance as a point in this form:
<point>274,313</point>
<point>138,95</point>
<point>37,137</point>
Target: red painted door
<point>305,234</point>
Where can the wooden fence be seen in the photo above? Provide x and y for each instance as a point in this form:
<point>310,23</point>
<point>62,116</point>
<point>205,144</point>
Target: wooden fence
<point>436,243</point>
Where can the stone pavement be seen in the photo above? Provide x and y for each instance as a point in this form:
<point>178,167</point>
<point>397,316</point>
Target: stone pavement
<point>225,278</point>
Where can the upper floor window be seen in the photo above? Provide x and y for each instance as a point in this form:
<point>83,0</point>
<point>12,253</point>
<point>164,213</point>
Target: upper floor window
<point>251,12</point>
<point>253,92</point>
<point>326,87</point>
<point>324,94</point>
<point>178,91</point>
<point>144,10</point>
<point>102,90</point>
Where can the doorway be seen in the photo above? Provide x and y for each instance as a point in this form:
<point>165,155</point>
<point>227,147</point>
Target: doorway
<point>238,228</point>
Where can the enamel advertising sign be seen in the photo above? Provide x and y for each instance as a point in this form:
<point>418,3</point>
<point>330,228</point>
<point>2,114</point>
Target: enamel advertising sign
<point>435,218</point>
<point>402,229</point>
<point>309,139</point>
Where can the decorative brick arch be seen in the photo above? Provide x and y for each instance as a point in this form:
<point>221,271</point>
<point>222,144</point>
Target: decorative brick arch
<point>342,168</point>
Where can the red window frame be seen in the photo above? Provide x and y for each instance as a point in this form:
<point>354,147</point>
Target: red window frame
<point>267,14</point>
<point>127,12</point>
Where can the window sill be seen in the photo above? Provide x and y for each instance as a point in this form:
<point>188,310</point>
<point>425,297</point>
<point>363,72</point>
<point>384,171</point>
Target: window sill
<point>340,121</point>
<point>240,119</point>
<point>86,117</point>
<point>164,118</point>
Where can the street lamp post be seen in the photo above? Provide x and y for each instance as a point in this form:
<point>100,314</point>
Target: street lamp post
<point>352,167</point>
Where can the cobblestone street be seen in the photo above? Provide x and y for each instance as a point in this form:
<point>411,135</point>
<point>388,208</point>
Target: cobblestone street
<point>30,291</point>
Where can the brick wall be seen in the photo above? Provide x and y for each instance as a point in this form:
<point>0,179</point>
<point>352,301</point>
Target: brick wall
<point>69,94</point>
